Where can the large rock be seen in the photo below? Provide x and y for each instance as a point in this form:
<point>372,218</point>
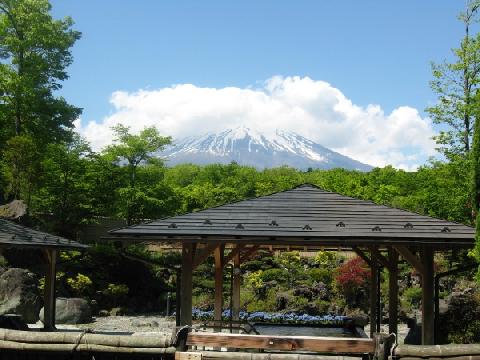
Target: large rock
<point>19,294</point>
<point>71,311</point>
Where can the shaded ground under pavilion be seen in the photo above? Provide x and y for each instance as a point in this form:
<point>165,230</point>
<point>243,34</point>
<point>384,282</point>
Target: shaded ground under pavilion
<point>14,235</point>
<point>307,217</point>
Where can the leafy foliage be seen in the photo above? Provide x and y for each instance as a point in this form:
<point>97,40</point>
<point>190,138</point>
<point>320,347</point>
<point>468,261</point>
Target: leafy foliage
<point>35,52</point>
<point>456,84</point>
<point>352,277</point>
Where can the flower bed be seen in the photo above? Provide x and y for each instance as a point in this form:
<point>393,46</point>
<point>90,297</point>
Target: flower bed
<point>275,318</point>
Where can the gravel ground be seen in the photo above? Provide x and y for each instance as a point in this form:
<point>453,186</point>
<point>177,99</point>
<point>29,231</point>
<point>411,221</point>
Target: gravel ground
<point>156,324</point>
<point>124,324</point>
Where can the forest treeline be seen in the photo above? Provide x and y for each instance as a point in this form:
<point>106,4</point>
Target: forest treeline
<point>76,185</point>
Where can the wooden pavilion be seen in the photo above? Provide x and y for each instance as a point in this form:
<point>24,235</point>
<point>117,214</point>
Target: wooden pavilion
<point>307,217</point>
<point>13,235</point>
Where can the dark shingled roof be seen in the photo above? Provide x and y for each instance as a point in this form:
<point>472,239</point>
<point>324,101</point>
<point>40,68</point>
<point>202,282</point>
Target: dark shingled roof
<point>15,235</point>
<point>302,216</point>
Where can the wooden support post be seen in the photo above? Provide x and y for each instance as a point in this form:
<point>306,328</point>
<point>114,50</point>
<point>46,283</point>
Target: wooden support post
<point>428,322</point>
<point>188,252</point>
<point>364,256</point>
<point>219,252</point>
<point>410,257</point>
<point>178,296</point>
<point>373,298</point>
<point>202,254</point>
<point>376,255</point>
<point>393,291</point>
<point>236,250</point>
<point>379,299</point>
<point>237,277</point>
<point>49,290</point>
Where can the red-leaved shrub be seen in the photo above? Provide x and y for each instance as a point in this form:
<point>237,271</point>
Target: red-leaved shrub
<point>352,278</point>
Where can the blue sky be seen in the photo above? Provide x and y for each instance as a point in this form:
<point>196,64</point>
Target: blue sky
<point>373,52</point>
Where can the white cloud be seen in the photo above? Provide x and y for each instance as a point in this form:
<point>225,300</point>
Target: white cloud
<point>314,109</point>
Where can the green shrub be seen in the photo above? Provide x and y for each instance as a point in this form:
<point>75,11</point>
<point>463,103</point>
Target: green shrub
<point>321,275</point>
<point>115,292</point>
<point>80,285</point>
<point>326,259</point>
<point>413,296</point>
<point>278,275</point>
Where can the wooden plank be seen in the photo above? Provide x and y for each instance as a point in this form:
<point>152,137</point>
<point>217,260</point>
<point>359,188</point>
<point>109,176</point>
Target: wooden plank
<point>49,290</point>
<point>410,257</point>
<point>428,320</point>
<point>393,291</point>
<point>202,254</point>
<point>188,356</point>
<point>214,355</point>
<point>331,345</point>
<point>188,250</point>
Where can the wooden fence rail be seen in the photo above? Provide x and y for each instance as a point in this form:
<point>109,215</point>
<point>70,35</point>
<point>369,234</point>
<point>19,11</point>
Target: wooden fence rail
<point>436,352</point>
<point>330,345</point>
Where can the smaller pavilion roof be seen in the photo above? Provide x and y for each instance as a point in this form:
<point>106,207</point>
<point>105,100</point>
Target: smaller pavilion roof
<point>16,235</point>
<point>305,215</point>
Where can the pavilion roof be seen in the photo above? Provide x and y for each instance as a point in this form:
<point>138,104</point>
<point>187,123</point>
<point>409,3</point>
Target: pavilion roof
<point>16,235</point>
<point>305,215</point>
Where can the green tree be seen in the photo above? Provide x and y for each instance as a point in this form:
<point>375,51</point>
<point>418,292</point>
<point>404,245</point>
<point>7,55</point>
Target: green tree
<point>135,150</point>
<point>64,192</point>
<point>476,184</point>
<point>34,52</point>
<point>21,166</point>
<point>455,84</point>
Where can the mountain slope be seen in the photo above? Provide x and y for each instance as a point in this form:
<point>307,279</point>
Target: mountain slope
<point>250,147</point>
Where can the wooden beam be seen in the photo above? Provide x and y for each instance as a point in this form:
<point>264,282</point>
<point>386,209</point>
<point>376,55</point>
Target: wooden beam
<point>231,255</point>
<point>49,290</point>
<point>331,345</point>
<point>250,252</point>
<point>393,291</point>
<point>202,254</point>
<point>188,251</point>
<point>377,255</point>
<point>412,259</point>
<point>363,256</point>
<point>428,321</point>
<point>237,278</point>
<point>219,261</point>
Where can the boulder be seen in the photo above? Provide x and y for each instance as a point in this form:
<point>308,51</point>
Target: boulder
<point>71,311</point>
<point>19,294</point>
<point>13,322</point>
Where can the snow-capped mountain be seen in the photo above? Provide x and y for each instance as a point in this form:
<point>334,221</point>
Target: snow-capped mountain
<point>250,147</point>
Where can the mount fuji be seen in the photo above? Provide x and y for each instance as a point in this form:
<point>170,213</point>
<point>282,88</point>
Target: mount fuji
<point>260,150</point>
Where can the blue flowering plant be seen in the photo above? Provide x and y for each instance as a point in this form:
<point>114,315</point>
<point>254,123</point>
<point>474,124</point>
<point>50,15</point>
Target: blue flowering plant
<point>274,318</point>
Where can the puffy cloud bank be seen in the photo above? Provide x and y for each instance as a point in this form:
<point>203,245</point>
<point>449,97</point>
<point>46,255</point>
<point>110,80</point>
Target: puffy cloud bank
<point>314,109</point>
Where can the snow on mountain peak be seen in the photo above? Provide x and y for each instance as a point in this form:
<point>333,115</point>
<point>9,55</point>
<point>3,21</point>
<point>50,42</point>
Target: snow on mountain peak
<point>248,146</point>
